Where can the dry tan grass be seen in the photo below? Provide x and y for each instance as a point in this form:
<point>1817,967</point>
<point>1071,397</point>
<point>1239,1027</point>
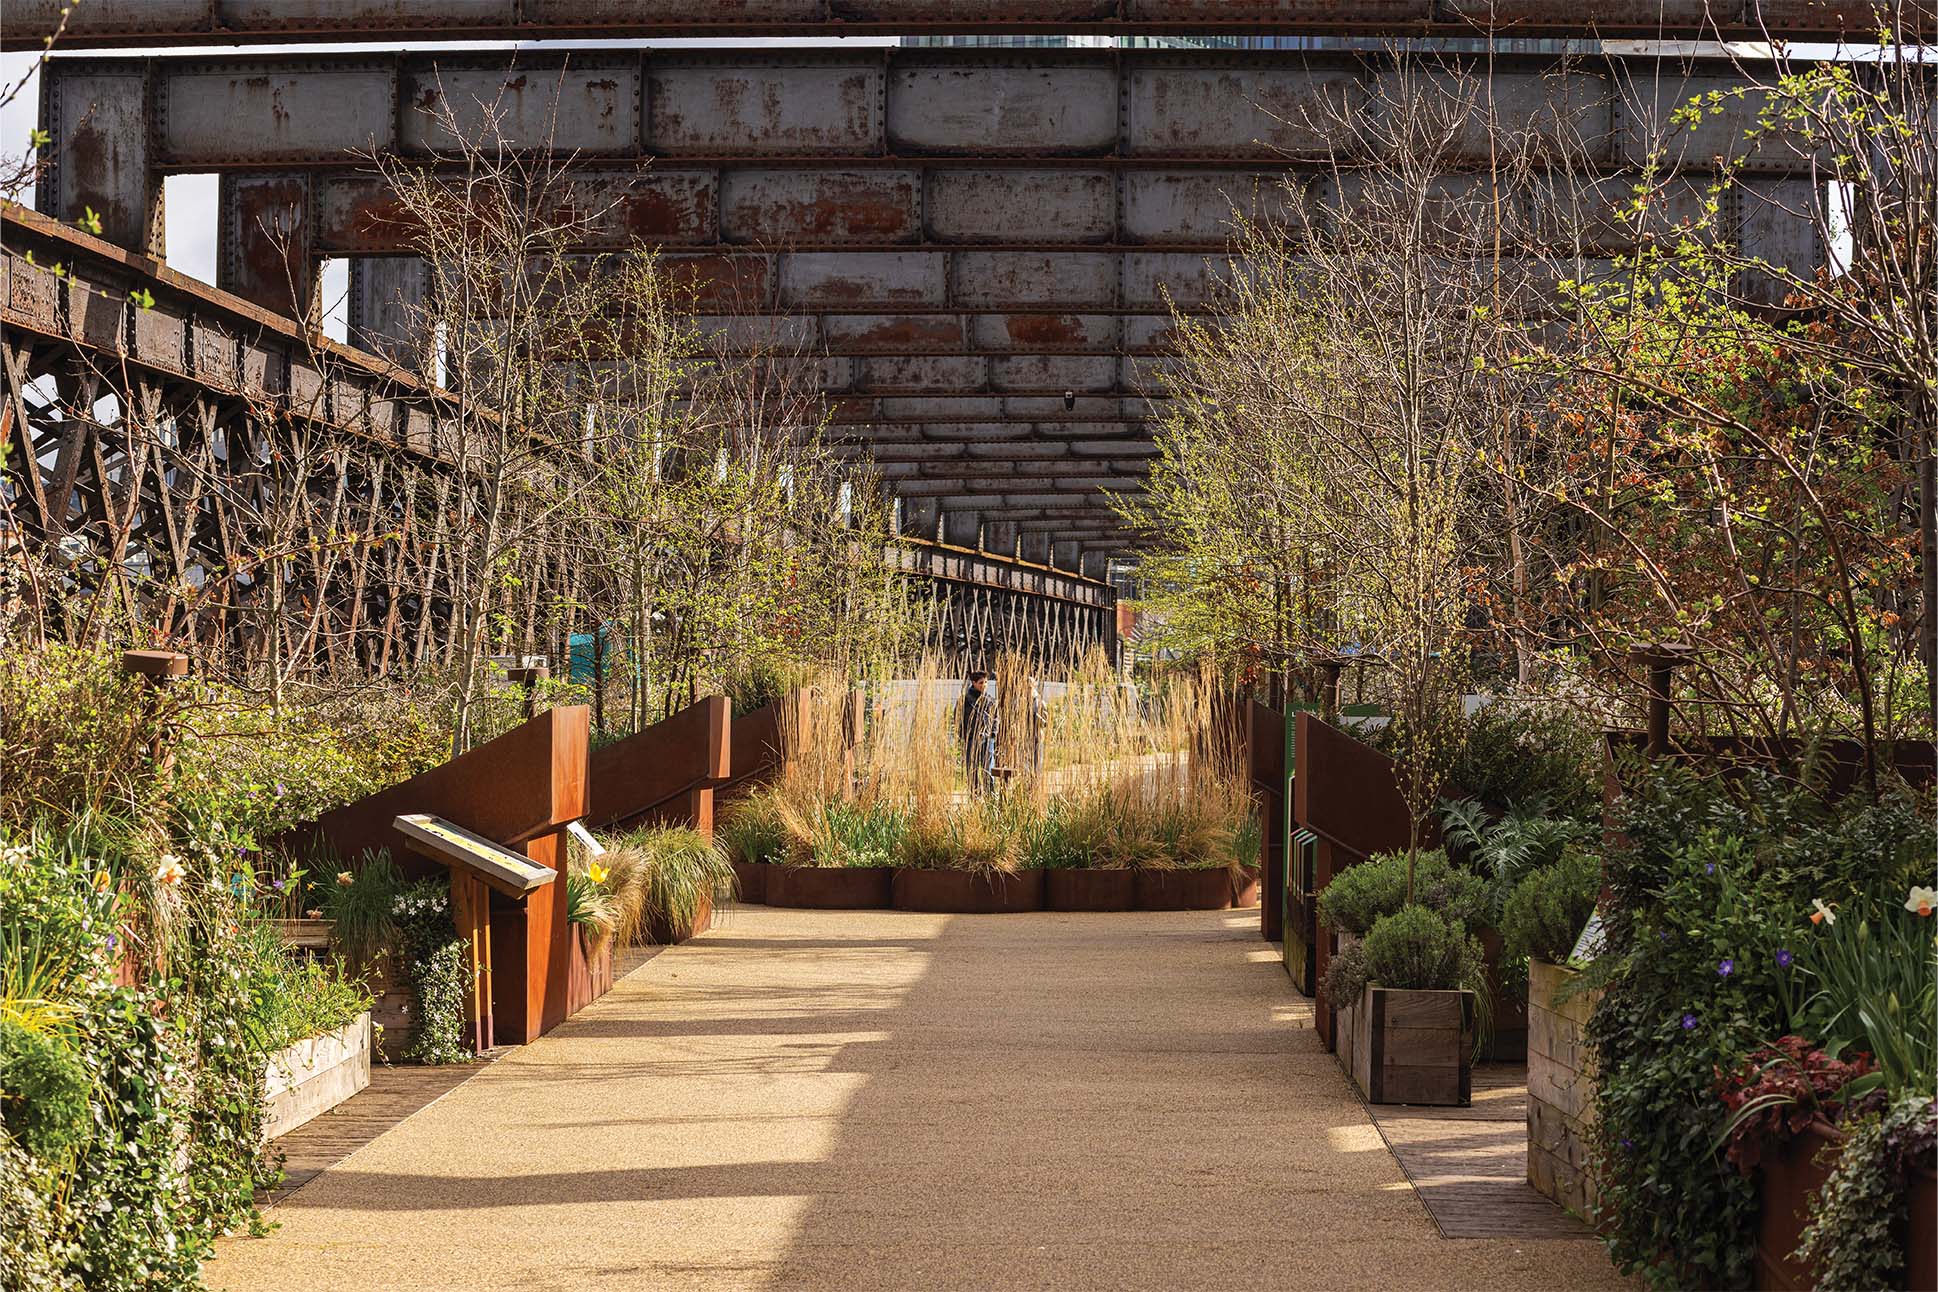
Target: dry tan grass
<point>1095,771</point>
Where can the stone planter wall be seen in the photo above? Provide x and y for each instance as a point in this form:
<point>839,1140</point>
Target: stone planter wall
<point>1561,1090</point>
<point>314,1075</point>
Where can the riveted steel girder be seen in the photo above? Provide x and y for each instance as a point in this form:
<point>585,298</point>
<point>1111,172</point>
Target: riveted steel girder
<point>103,23</point>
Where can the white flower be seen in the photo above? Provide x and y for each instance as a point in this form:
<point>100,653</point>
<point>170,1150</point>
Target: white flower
<point>1822,914</point>
<point>170,871</point>
<point>1922,901</point>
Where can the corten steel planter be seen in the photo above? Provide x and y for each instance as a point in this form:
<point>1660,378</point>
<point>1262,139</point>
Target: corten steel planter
<point>1089,890</point>
<point>1245,888</point>
<point>1410,1047</point>
<point>962,892</point>
<point>661,930</point>
<point>750,877</point>
<point>1788,1179</point>
<point>832,888</point>
<point>591,972</point>
<point>1184,890</point>
<point>1561,1089</point>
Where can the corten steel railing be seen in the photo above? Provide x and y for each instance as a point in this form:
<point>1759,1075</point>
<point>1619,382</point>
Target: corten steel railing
<point>984,605</point>
<point>104,23</point>
<point>170,446</point>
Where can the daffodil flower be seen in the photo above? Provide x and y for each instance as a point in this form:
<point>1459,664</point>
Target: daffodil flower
<point>344,878</point>
<point>598,873</point>
<point>1822,914</point>
<point>1922,901</point>
<point>171,871</point>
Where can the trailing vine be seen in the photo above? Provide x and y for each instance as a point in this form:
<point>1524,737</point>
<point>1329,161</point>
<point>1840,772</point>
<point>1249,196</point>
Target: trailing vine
<point>1854,1238</point>
<point>434,959</point>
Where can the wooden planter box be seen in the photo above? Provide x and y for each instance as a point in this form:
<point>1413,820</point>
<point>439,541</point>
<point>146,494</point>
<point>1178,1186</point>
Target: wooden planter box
<point>832,888</point>
<point>307,1079</point>
<point>963,892</point>
<point>1786,1182</point>
<point>1089,890</point>
<point>307,935</point>
<point>1561,1090</point>
<point>662,932</point>
<point>1410,1047</point>
<point>1183,890</point>
<point>750,878</point>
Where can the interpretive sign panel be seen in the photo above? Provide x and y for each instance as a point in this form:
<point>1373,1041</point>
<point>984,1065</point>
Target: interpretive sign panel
<point>499,867</point>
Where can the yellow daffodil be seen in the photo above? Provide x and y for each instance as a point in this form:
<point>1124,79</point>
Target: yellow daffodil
<point>1922,901</point>
<point>101,881</point>
<point>598,873</point>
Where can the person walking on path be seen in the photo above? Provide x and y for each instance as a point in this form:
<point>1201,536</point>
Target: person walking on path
<point>977,728</point>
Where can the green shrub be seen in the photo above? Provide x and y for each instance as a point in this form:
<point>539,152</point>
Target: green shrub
<point>43,1092</point>
<point>1517,753</point>
<point>1360,895</point>
<point>1711,898</point>
<point>856,834</point>
<point>1418,949</point>
<point>1547,910</point>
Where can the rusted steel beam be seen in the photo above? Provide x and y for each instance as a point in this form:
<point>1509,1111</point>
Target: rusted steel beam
<point>133,23</point>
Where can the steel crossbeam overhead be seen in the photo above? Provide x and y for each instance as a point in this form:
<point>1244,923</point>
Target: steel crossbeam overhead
<point>103,23</point>
<point>982,247</point>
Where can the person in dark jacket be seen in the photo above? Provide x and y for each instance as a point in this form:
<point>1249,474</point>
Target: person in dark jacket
<point>977,728</point>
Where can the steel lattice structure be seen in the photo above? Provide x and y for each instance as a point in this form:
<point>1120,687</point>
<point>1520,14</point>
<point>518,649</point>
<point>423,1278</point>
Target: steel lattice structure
<point>172,446</point>
<point>982,246</point>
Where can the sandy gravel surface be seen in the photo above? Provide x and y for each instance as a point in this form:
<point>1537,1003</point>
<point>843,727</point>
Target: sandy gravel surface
<point>854,1100</point>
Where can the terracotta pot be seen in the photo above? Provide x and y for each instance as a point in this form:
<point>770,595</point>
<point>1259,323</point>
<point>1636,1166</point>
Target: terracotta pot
<point>1183,890</point>
<point>1785,1184</point>
<point>1089,890</point>
<point>751,878</point>
<point>832,888</point>
<point>962,892</point>
<point>661,932</point>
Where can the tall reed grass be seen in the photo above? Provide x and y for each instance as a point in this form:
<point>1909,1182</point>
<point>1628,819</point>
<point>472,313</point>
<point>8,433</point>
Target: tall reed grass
<point>1093,773</point>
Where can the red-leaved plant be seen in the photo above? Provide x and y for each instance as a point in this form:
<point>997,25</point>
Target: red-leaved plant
<point>1782,1089</point>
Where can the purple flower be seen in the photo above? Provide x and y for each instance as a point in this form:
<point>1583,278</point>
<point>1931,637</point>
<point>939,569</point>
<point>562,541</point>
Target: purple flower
<point>113,942</point>
<point>278,885</point>
<point>1627,1143</point>
<point>1688,1022</point>
<point>1784,958</point>
<point>1726,968</point>
<point>1709,868</point>
<point>279,789</point>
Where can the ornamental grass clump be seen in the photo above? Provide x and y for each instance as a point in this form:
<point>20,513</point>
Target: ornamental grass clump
<point>750,829</point>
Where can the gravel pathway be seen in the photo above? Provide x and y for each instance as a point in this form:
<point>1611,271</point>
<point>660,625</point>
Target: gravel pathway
<point>875,1099</point>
